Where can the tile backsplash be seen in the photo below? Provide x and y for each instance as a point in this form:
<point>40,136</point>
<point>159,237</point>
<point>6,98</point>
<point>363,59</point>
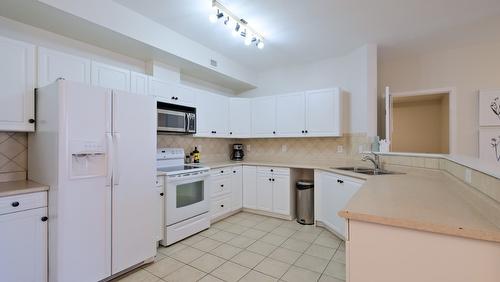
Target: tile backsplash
<point>211,149</point>
<point>13,156</point>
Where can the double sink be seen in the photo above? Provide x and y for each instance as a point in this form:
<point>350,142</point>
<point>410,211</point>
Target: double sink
<point>366,170</point>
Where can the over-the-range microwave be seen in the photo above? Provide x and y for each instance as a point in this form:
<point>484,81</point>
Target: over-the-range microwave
<point>176,118</point>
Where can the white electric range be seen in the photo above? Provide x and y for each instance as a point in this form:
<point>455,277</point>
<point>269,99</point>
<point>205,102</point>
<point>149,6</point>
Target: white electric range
<point>187,201</point>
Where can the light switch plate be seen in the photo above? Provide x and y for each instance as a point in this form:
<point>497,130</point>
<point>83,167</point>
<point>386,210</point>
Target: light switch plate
<point>468,175</point>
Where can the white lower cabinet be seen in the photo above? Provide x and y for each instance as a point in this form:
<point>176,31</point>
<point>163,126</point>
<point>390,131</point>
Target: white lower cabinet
<point>249,187</point>
<point>160,208</point>
<point>236,188</point>
<point>226,186</point>
<point>267,189</point>
<point>23,244</point>
<point>264,192</point>
<point>333,191</point>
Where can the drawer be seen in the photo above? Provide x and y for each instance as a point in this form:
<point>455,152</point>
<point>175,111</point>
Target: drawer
<point>220,185</point>
<point>23,202</point>
<point>160,180</point>
<point>220,206</point>
<point>221,171</point>
<point>274,170</point>
<point>236,169</point>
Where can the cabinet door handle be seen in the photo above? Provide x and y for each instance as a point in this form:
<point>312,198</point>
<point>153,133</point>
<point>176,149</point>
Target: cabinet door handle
<point>221,206</point>
<point>221,171</point>
<point>176,98</point>
<point>306,131</point>
<point>222,185</point>
<point>340,181</point>
<point>230,133</point>
<point>44,218</point>
<point>31,120</point>
<point>269,179</point>
<point>273,179</point>
<point>272,170</point>
<point>173,98</point>
<point>274,132</point>
<point>161,194</point>
<point>213,131</point>
<point>303,131</point>
<point>234,171</point>
<point>15,204</point>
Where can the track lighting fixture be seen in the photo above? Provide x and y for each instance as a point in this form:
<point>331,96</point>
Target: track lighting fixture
<point>236,25</point>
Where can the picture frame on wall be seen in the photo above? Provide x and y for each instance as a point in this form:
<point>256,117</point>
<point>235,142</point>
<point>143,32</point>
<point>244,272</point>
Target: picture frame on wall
<point>489,144</point>
<point>489,108</point>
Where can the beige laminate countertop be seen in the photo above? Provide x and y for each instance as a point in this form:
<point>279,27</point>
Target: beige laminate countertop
<point>421,199</point>
<point>20,187</point>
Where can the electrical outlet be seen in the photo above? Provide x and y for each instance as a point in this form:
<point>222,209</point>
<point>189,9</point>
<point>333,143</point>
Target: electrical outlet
<point>284,148</point>
<point>340,149</point>
<point>249,148</point>
<point>468,175</point>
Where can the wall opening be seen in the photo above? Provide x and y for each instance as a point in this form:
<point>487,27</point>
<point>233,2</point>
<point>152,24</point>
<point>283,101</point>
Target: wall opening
<point>421,123</point>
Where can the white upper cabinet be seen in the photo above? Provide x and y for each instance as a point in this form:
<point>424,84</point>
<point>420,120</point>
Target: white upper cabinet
<point>212,114</point>
<point>107,76</point>
<point>290,115</point>
<point>324,112</point>
<point>17,78</point>
<point>264,116</point>
<point>170,92</point>
<point>239,117</point>
<point>54,64</point>
<point>139,83</point>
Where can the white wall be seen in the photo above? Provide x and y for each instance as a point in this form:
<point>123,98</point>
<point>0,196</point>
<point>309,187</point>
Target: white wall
<point>355,74</point>
<point>467,67</point>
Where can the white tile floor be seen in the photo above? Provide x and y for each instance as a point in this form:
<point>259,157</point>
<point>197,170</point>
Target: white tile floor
<point>249,247</point>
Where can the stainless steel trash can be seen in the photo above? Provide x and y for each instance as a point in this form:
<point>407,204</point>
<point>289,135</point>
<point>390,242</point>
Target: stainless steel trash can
<point>305,202</point>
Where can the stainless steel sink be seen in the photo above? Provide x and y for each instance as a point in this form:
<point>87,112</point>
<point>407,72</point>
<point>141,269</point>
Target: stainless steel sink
<point>366,170</point>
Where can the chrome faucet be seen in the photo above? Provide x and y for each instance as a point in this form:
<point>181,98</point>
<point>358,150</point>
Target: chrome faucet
<point>375,160</point>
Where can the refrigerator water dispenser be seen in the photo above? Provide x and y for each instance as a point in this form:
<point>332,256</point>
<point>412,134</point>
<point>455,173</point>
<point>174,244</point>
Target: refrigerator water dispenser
<point>88,159</point>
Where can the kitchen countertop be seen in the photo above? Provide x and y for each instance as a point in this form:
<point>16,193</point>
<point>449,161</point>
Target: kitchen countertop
<point>421,199</point>
<point>20,187</point>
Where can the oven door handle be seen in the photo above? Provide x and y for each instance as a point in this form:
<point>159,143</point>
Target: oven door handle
<point>187,179</point>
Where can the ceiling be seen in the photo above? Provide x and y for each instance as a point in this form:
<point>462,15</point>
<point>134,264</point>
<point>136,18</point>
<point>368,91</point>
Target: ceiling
<point>298,31</point>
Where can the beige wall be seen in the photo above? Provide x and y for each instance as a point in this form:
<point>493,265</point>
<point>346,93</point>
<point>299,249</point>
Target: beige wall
<point>467,67</point>
<point>421,126</point>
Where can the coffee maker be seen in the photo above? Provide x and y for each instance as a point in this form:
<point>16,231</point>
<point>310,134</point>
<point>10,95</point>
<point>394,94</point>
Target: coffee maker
<point>237,154</point>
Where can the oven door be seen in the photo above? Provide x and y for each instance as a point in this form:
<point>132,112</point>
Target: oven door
<point>172,121</point>
<point>187,196</point>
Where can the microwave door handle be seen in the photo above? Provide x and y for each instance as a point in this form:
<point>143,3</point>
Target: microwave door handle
<point>186,124</point>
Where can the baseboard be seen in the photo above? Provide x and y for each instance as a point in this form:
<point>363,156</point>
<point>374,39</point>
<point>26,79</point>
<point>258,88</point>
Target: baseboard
<point>226,215</point>
<point>321,224</point>
<point>271,214</point>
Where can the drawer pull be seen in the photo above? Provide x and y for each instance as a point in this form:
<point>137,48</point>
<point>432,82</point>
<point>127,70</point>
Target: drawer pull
<point>15,204</point>
<point>44,218</point>
<point>273,179</point>
<point>234,171</point>
<point>222,185</point>
<point>272,170</point>
<point>340,181</point>
<point>221,206</point>
<point>161,194</point>
<point>221,171</point>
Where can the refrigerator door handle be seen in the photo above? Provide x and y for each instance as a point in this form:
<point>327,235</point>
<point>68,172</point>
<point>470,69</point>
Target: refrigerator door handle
<point>109,159</point>
<point>116,163</point>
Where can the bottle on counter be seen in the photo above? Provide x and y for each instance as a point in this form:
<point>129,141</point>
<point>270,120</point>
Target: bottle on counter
<point>196,155</point>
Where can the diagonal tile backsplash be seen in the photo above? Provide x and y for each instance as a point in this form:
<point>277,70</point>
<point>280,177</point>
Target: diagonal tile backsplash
<point>13,156</point>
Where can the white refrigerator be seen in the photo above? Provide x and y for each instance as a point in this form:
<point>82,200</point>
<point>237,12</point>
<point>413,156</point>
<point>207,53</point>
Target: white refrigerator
<point>96,148</point>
